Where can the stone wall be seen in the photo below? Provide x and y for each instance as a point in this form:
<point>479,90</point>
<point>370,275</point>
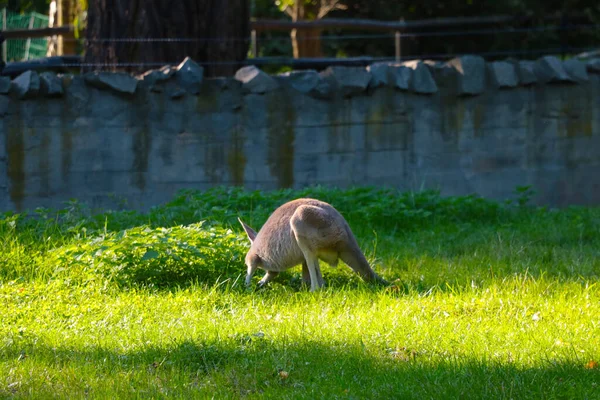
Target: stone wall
<point>465,126</point>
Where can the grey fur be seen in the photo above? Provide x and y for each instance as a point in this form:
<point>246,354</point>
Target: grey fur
<point>303,231</point>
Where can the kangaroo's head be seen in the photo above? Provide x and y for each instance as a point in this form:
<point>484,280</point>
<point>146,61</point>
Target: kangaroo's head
<point>253,260</point>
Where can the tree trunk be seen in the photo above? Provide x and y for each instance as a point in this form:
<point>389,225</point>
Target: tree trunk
<point>214,33</point>
<point>307,42</point>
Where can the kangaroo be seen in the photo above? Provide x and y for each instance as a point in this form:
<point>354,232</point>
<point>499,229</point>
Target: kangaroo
<point>304,231</point>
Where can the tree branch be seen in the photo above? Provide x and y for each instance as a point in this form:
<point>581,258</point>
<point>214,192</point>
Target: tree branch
<point>288,10</point>
<point>329,5</point>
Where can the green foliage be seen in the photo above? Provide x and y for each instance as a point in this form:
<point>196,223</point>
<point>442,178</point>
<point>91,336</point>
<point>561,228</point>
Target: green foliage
<point>26,6</point>
<point>168,246</point>
<point>488,300</point>
<point>524,194</point>
<point>155,257</point>
<point>522,44</point>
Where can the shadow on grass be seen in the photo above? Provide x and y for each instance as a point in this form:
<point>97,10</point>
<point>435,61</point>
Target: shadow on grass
<point>257,366</point>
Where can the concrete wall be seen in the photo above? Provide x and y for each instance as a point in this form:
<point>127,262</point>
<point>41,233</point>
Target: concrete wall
<point>464,127</point>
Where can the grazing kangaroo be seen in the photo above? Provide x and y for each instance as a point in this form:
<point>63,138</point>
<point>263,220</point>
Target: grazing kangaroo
<point>304,231</point>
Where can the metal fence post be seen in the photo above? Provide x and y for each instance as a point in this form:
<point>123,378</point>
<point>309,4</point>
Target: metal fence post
<point>253,46</point>
<point>398,48</point>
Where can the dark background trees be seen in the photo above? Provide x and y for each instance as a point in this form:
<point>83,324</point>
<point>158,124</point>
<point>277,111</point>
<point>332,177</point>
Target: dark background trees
<point>525,43</point>
<point>224,26</point>
<point>209,31</point>
<point>521,42</point>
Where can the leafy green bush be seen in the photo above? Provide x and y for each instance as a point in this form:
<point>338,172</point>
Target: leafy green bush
<point>155,256</point>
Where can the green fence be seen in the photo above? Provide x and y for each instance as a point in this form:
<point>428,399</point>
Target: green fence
<point>23,49</point>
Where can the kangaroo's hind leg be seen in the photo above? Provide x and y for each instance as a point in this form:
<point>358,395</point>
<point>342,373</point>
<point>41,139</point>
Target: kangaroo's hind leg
<point>312,262</point>
<point>306,275</point>
<point>309,226</point>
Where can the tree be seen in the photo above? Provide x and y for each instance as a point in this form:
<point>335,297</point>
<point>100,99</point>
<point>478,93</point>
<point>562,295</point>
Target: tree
<point>150,33</point>
<point>40,6</point>
<point>61,13</point>
<point>307,42</point>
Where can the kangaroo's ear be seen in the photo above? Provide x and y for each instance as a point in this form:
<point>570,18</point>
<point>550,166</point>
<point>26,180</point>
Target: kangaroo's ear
<point>249,231</point>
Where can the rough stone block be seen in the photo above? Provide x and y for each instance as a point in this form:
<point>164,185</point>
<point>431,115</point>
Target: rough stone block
<point>422,82</point>
<point>190,75</point>
<point>26,85</point>
<point>445,76</point>
<point>119,82</point>
<point>576,70</point>
<point>526,72</point>
<point>303,81</point>
<point>550,69</point>
<point>154,78</point>
<point>380,73</point>
<point>472,74</point>
<point>256,81</point>
<point>350,80</point>
<point>503,74</point>
<point>402,76</point>
<point>593,66</point>
<point>50,84</point>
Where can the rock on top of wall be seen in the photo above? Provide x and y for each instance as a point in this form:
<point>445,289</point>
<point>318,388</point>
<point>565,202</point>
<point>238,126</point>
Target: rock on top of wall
<point>51,84</point>
<point>190,75</point>
<point>27,84</point>
<point>380,74</point>
<point>302,81</point>
<point>256,81</point>
<point>421,82</point>
<point>402,76</point>
<point>350,80</point>
<point>154,77</point>
<point>593,65</point>
<point>503,74</point>
<point>465,75</point>
<point>526,72</point>
<point>550,69</point>
<point>472,74</point>
<point>119,82</point>
<point>444,75</point>
<point>309,82</point>
<point>390,74</point>
<point>576,70</point>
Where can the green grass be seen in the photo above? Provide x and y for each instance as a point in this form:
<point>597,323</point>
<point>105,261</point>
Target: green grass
<point>488,300</point>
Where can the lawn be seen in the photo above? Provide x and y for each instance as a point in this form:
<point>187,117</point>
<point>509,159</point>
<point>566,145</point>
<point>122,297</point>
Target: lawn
<point>487,300</point>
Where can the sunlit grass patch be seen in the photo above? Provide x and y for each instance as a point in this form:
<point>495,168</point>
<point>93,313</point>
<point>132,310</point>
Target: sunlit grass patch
<point>487,300</point>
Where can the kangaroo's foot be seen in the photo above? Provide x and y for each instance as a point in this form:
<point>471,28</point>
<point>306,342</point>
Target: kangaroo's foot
<point>267,278</point>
